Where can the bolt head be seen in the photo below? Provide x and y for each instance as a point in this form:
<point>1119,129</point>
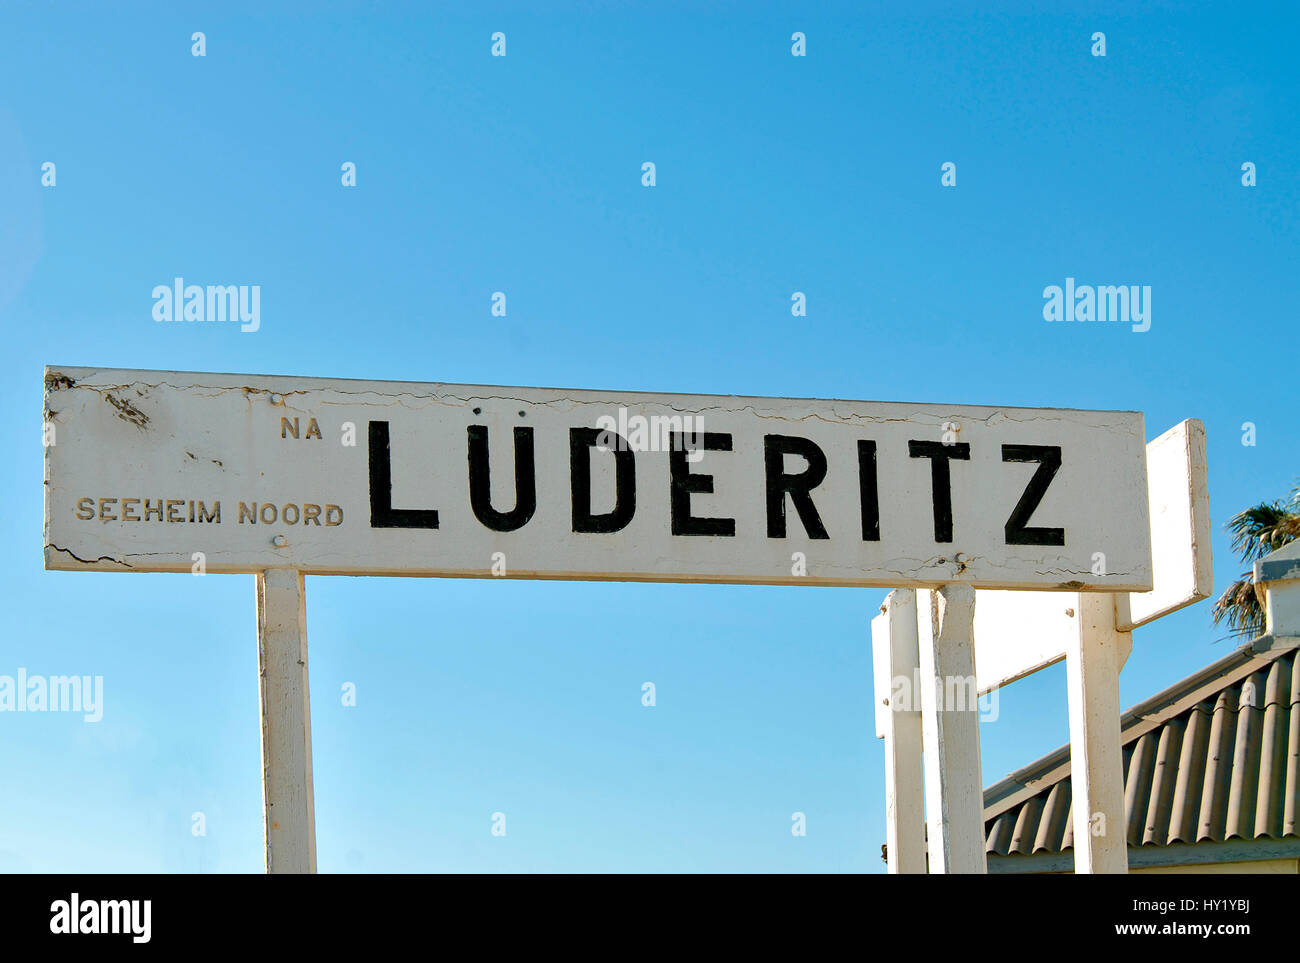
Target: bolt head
<point>280,541</point>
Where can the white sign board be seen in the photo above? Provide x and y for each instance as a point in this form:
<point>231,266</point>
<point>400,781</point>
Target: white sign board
<point>1178,479</point>
<point>148,470</point>
<point>1018,633</point>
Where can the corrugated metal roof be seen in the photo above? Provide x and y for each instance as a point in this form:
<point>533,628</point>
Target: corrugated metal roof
<point>1215,757</point>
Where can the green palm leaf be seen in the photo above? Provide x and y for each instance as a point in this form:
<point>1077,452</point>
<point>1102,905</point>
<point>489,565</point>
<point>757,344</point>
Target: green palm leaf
<point>1256,532</point>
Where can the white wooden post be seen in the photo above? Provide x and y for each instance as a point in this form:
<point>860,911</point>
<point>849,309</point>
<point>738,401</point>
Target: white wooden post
<point>287,797</point>
<point>1096,760</point>
<point>954,796</point>
<point>898,722</point>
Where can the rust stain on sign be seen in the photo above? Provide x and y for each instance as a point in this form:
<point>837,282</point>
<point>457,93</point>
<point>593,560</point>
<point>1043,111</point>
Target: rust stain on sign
<point>128,412</point>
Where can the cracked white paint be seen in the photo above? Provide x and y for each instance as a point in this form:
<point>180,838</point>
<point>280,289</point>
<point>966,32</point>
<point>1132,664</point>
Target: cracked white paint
<point>1018,633</point>
<point>216,437</point>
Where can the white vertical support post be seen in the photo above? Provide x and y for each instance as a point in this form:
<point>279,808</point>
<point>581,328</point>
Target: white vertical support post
<point>954,795</point>
<point>288,800</point>
<point>898,718</point>
<point>1096,755</point>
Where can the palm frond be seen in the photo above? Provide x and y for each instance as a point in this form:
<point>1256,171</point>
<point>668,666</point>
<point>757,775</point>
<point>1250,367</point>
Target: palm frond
<point>1263,528</point>
<point>1240,607</point>
<point>1256,531</point>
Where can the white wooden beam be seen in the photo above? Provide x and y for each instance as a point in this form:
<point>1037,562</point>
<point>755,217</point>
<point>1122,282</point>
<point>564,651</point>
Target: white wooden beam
<point>950,722</point>
<point>898,722</point>
<point>287,796</point>
<point>1096,760</point>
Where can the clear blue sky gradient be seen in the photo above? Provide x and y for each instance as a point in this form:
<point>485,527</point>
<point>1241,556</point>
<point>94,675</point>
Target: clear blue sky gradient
<point>522,174</point>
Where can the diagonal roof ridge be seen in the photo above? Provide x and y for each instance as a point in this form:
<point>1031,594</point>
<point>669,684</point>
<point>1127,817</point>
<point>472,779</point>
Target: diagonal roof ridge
<point>1181,698</point>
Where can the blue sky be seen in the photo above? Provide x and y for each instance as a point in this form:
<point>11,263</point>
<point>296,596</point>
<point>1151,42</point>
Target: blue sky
<point>522,174</point>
